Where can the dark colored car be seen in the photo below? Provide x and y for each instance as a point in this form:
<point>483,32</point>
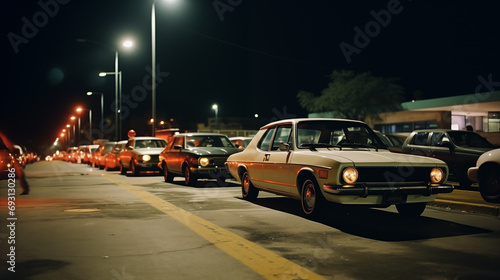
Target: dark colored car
<point>459,149</point>
<point>112,159</point>
<point>141,153</point>
<point>101,152</point>
<point>196,156</point>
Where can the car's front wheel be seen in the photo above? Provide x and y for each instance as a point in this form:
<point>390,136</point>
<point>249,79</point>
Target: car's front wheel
<point>248,191</point>
<point>167,176</point>
<point>189,177</point>
<point>311,198</point>
<point>134,168</point>
<point>123,170</point>
<point>489,184</point>
<point>411,209</point>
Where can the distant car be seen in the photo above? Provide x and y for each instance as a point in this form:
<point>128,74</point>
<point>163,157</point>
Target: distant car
<point>141,153</point>
<point>112,159</point>
<point>241,142</point>
<point>101,152</point>
<point>88,154</point>
<point>335,160</point>
<point>393,142</point>
<point>20,156</point>
<point>196,156</point>
<point>487,173</point>
<point>71,154</point>
<point>458,148</point>
<point>6,161</point>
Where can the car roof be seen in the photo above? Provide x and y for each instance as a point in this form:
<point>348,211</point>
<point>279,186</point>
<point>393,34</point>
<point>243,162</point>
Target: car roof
<point>200,134</point>
<point>146,138</point>
<point>296,120</point>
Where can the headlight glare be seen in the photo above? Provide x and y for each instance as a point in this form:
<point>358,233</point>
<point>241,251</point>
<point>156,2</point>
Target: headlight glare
<point>146,158</point>
<point>204,161</point>
<point>437,175</point>
<point>350,175</point>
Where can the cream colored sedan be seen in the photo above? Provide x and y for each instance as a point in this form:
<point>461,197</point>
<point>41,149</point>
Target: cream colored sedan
<point>340,161</point>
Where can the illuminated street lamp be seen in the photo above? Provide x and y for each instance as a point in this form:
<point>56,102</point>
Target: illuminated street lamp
<point>127,44</point>
<point>153,62</point>
<point>216,109</point>
<point>89,93</point>
<point>79,110</point>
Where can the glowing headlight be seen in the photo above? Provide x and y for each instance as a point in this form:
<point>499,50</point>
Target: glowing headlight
<point>437,175</point>
<point>350,175</point>
<point>204,161</point>
<point>146,157</point>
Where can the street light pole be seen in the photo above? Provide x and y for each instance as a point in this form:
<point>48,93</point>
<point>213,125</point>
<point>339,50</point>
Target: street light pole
<point>102,109</point>
<point>153,67</point>
<point>116,95</point>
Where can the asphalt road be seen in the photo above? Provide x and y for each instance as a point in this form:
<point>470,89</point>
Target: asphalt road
<point>84,223</point>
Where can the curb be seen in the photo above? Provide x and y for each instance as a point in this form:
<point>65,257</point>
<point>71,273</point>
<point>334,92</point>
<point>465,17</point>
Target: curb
<point>466,207</point>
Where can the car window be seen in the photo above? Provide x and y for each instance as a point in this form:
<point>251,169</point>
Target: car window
<point>208,141</point>
<point>265,143</point>
<point>335,133</point>
<point>469,139</point>
<point>282,136</point>
<point>437,138</point>
<point>420,138</point>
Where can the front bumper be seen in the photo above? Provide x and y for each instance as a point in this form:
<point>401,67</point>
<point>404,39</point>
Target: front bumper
<point>383,194</point>
<point>210,172</point>
<point>472,173</point>
<point>150,165</point>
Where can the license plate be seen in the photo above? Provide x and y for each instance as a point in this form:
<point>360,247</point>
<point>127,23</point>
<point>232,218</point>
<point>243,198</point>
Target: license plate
<point>395,198</point>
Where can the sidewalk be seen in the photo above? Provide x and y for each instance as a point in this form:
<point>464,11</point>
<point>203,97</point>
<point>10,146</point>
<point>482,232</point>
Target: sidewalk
<point>466,201</point>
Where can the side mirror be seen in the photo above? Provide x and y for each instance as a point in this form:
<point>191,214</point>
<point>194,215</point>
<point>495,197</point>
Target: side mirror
<point>130,147</point>
<point>177,147</point>
<point>284,147</point>
<point>447,144</point>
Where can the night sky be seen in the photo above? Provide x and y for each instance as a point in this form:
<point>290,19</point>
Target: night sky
<point>249,57</point>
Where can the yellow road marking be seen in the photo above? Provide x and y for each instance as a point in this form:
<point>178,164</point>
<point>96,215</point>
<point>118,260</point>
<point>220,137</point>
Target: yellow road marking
<point>262,261</point>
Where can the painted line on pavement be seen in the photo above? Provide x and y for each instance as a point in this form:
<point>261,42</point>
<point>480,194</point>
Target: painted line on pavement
<point>262,261</point>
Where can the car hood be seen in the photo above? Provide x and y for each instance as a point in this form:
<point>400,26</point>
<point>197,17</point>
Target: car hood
<point>358,157</point>
<point>148,151</point>
<point>214,151</point>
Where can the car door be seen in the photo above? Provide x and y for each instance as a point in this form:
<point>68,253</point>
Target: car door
<point>173,154</point>
<point>255,164</point>
<point>439,151</point>
<point>126,153</point>
<point>276,171</point>
<point>419,144</point>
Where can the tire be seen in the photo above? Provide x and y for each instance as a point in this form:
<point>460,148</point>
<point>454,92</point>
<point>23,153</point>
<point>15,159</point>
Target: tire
<point>311,198</point>
<point>463,179</point>
<point>167,176</point>
<point>134,168</point>
<point>189,178</point>
<point>411,209</point>
<point>123,170</point>
<point>489,184</point>
<point>248,191</point>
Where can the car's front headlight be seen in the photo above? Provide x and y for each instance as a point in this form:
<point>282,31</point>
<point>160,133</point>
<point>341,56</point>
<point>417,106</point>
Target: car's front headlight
<point>146,158</point>
<point>437,175</point>
<point>204,161</point>
<point>350,175</point>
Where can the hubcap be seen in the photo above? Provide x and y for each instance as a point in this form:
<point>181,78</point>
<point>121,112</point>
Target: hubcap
<point>309,196</point>
<point>246,184</point>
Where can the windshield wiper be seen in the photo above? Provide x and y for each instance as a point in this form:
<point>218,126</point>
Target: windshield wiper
<point>313,146</point>
<point>358,145</point>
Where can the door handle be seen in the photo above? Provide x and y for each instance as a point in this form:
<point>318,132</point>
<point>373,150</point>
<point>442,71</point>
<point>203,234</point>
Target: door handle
<point>266,157</point>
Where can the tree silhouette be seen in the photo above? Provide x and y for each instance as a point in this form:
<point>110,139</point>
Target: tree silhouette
<point>355,96</point>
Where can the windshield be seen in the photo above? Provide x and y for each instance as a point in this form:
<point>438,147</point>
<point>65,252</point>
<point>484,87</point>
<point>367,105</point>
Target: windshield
<point>336,134</point>
<point>208,141</point>
<point>469,139</point>
<point>150,143</point>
